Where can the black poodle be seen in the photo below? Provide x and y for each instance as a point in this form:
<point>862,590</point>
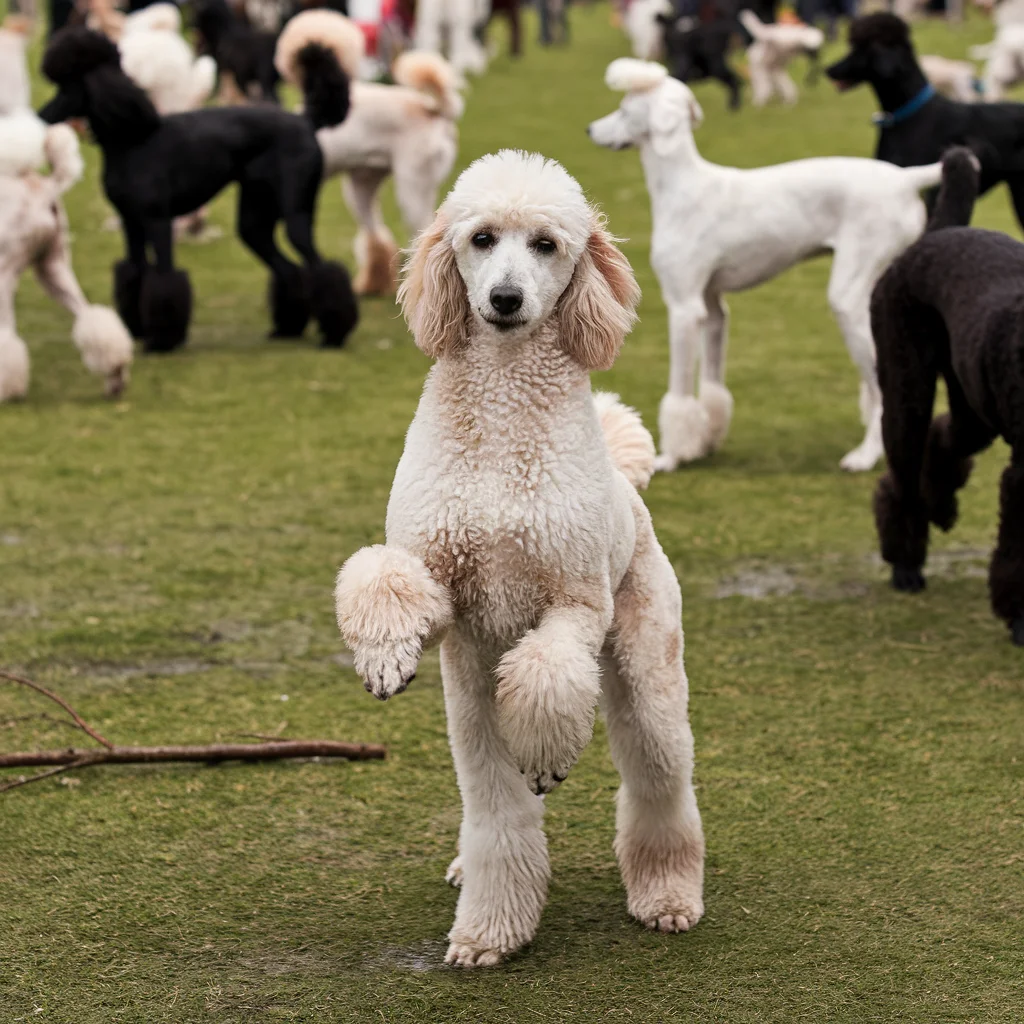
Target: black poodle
<point>158,168</point>
<point>697,37</point>
<point>918,125</point>
<point>244,55</point>
<point>951,305</point>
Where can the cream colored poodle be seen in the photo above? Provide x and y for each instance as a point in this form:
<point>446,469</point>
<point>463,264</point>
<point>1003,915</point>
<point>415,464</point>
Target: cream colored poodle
<point>516,536</point>
<point>405,131</point>
<point>34,232</point>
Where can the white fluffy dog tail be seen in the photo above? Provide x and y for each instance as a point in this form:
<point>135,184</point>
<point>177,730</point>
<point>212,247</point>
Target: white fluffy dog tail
<point>431,74</point>
<point>105,345</point>
<point>629,441</point>
<point>752,23</point>
<point>204,80</point>
<point>63,156</point>
<point>924,177</point>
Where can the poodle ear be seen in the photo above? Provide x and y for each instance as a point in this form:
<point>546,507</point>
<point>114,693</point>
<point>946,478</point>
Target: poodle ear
<point>433,294</point>
<point>596,311</point>
<point>674,110</point>
<point>119,111</point>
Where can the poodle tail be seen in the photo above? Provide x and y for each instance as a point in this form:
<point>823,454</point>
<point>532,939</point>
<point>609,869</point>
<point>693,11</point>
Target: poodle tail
<point>324,86</point>
<point>203,80</point>
<point>752,23</point>
<point>22,144</point>
<point>958,191</point>
<point>63,156</point>
<point>629,441</point>
<point>431,74</point>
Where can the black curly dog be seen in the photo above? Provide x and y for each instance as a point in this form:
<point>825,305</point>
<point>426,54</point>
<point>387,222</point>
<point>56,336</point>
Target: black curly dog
<point>917,127</point>
<point>157,168</point>
<point>952,304</point>
<point>241,51</point>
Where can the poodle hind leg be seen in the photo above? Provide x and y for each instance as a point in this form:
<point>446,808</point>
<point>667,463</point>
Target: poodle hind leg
<point>376,252</point>
<point>503,854</point>
<point>14,360</point>
<point>659,839</point>
<point>714,395</point>
<point>1006,572</point>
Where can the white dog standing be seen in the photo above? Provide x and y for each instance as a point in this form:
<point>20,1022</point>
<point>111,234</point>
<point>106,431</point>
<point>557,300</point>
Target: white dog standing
<point>721,229</point>
<point>514,531</point>
<point>774,46</point>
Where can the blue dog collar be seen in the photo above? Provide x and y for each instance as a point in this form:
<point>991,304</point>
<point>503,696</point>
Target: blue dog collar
<point>909,109</point>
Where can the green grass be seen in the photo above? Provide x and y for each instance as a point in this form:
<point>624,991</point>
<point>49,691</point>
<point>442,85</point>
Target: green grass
<point>166,563</point>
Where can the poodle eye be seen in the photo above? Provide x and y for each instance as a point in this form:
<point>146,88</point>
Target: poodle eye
<point>482,240</point>
<point>544,246</point>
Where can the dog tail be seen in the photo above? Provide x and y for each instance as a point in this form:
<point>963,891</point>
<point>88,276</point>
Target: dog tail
<point>752,23</point>
<point>430,74</point>
<point>63,156</point>
<point>319,51</point>
<point>958,191</point>
<point>22,144</point>
<point>203,80</point>
<point>629,441</point>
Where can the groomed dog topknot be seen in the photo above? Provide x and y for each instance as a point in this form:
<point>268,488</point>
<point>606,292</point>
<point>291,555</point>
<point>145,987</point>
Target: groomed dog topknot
<point>75,51</point>
<point>325,28</point>
<point>627,74</point>
<point>881,27</point>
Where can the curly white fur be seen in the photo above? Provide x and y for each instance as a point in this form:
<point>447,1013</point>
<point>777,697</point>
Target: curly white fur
<point>507,498</point>
<point>645,32</point>
<point>165,66</point>
<point>33,232</point>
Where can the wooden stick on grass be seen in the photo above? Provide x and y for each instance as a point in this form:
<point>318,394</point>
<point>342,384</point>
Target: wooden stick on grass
<point>213,753</point>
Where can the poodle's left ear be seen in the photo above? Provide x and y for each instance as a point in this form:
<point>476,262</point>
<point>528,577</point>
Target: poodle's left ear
<point>433,294</point>
<point>597,310</point>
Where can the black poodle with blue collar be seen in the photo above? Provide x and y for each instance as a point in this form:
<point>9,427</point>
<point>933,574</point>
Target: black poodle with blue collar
<point>917,126</point>
<point>158,168</point>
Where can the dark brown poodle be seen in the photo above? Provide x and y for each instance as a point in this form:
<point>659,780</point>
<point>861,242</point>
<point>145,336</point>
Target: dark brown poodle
<point>951,305</point>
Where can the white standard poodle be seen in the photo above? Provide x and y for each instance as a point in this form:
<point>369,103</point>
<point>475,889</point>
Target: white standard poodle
<point>516,534</point>
<point>774,46</point>
<point>34,232</point>
<point>406,131</point>
<point>721,229</point>
<point>451,26</point>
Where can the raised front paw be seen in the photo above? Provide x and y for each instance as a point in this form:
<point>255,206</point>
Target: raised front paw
<point>388,668</point>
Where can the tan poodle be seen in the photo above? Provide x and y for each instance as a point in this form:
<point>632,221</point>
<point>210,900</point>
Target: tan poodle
<point>406,131</point>
<point>34,233</point>
<point>515,535</point>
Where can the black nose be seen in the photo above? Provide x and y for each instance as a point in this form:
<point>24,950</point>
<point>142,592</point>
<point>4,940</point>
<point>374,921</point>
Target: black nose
<point>506,300</point>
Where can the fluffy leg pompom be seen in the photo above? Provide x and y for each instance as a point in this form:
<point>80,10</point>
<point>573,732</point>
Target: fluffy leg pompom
<point>684,426</point>
<point>14,366</point>
<point>388,608</point>
<point>166,309</point>
<point>333,303</point>
<point>377,256</point>
<point>128,278</point>
<point>717,402</point>
<point>106,346</point>
<point>289,303</point>
<point>548,688</point>
<point>629,441</point>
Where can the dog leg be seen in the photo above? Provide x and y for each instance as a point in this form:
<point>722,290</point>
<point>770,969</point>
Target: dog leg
<point>98,333</point>
<point>785,86</point>
<point>14,361</point>
<point>1006,573</point>
<point>714,395</point>
<point>682,420</point>
<point>1017,195</point>
<point>849,295</point>
<point>389,608</point>
<point>659,840</point>
<point>333,302</point>
<point>503,852</point>
<point>376,252</point>
<point>548,688</point>
<point>760,79</point>
<point>166,297</point>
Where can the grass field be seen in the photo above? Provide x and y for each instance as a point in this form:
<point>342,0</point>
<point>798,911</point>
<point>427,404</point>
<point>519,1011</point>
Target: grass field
<point>166,563</point>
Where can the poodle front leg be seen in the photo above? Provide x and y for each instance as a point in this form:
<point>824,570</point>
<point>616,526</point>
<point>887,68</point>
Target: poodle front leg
<point>166,296</point>
<point>548,689</point>
<point>389,608</point>
<point>14,361</point>
<point>1006,573</point>
<point>659,839</point>
<point>502,866</point>
<point>682,420</point>
<point>785,86</point>
<point>714,395</point>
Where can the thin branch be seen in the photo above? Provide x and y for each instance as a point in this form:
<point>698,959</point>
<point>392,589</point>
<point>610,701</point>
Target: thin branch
<point>84,726</point>
<point>23,781</point>
<point>40,716</point>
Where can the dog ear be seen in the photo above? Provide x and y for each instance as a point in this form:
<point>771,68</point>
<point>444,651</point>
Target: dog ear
<point>673,110</point>
<point>433,294</point>
<point>596,311</point>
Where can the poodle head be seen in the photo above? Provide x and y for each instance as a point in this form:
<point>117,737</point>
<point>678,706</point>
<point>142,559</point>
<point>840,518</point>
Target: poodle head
<point>514,246</point>
<point>657,110</point>
<point>880,52</point>
<point>86,68</point>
